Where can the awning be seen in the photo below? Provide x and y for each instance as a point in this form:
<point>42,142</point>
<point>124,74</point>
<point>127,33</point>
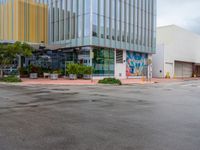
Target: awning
<point>47,47</point>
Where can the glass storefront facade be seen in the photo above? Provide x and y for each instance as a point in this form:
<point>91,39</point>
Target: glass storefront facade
<point>52,59</point>
<point>103,62</point>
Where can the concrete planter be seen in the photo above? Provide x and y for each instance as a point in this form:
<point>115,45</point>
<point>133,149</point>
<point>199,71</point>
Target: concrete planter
<point>87,76</point>
<point>72,76</point>
<point>54,76</point>
<point>33,76</point>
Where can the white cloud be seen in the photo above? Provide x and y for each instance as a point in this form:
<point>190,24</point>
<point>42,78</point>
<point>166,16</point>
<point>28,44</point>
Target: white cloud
<point>184,13</point>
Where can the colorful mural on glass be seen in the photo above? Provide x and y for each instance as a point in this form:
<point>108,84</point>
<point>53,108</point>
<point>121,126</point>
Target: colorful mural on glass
<point>135,64</point>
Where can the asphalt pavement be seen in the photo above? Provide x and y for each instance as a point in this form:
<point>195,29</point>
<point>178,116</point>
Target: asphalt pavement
<point>136,117</point>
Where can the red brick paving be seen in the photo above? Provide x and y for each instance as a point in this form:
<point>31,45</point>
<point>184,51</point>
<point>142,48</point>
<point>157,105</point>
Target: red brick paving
<point>62,81</point>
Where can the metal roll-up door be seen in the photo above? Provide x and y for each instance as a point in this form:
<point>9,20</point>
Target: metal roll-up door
<point>183,69</point>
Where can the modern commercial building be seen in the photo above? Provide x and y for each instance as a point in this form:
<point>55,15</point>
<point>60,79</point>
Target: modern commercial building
<point>24,20</point>
<point>115,36</point>
<point>178,53</point>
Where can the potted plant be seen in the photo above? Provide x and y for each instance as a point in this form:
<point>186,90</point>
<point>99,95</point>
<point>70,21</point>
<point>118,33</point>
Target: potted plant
<point>80,72</point>
<point>87,72</point>
<point>23,72</point>
<point>54,75</point>
<point>72,70</point>
<point>194,74</point>
<point>167,75</point>
<point>33,72</point>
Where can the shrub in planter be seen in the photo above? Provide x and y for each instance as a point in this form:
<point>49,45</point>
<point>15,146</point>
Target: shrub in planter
<point>23,72</point>
<point>167,75</point>
<point>54,75</point>
<point>110,81</point>
<point>11,79</point>
<point>73,71</point>
<point>87,72</point>
<point>34,70</point>
<point>80,70</point>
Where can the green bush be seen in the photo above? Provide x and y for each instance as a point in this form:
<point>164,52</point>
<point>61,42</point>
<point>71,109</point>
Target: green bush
<point>23,71</point>
<point>73,69</point>
<point>35,69</point>
<point>79,69</point>
<point>10,79</point>
<point>58,71</point>
<point>46,70</point>
<point>87,70</point>
<point>110,81</point>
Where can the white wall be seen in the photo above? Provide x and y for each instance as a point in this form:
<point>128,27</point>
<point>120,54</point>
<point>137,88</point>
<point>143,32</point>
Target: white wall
<point>158,62</point>
<point>120,69</point>
<point>178,45</point>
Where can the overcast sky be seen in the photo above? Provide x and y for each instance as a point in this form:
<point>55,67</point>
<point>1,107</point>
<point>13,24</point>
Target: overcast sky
<point>184,13</point>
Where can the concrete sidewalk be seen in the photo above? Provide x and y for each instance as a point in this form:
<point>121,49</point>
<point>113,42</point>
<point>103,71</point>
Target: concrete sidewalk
<point>63,81</point>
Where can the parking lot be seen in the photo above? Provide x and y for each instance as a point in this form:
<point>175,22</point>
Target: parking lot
<point>131,117</point>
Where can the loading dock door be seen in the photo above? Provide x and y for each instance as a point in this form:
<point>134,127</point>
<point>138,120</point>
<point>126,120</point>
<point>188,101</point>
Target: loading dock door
<point>183,69</point>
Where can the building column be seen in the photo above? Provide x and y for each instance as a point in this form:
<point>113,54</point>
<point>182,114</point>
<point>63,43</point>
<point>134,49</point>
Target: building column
<point>91,55</point>
<point>19,61</point>
<point>150,67</point>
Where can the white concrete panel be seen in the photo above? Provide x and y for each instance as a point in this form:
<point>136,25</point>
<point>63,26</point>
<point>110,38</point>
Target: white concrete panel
<point>180,44</point>
<point>158,62</point>
<point>120,68</point>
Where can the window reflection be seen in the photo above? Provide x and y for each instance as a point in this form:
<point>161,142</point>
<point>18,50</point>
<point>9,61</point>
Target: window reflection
<point>103,62</point>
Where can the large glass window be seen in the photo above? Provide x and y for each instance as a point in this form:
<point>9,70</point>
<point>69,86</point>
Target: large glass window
<point>102,29</point>
<point>107,28</point>
<point>87,6</point>
<point>95,6</point>
<point>80,7</point>
<point>107,8</point>
<point>102,8</point>
<point>87,25</point>
<point>113,30</point>
<point>103,62</point>
<point>95,26</point>
<point>80,25</point>
<point>73,26</point>
<point>67,26</point>
<point>113,7</point>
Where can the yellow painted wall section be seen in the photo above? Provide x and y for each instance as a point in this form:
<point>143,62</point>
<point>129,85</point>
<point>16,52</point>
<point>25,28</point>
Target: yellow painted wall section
<point>22,20</point>
<point>1,22</point>
<point>15,20</point>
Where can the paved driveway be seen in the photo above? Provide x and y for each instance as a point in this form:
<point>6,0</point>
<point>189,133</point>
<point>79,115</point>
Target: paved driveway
<point>139,117</point>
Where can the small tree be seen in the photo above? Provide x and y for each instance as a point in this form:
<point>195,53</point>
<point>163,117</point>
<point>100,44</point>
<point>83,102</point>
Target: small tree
<point>10,52</point>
